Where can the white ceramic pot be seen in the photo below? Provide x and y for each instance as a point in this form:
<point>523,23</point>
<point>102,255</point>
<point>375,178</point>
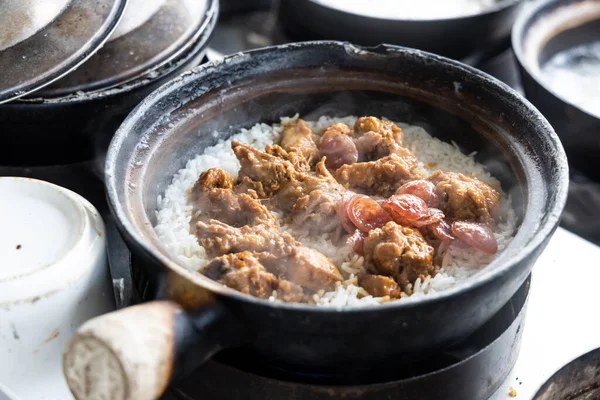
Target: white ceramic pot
<point>53,277</point>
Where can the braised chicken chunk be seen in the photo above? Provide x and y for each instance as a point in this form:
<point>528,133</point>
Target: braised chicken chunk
<point>245,273</point>
<point>465,198</point>
<point>212,197</point>
<point>398,252</point>
<point>310,198</point>
<point>300,264</point>
<point>298,161</point>
<point>379,285</point>
<point>377,138</point>
<point>381,177</point>
<point>298,138</point>
<point>316,210</point>
<point>271,171</point>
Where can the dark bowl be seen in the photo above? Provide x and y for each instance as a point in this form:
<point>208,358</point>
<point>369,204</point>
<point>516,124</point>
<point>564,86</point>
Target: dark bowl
<point>541,31</point>
<point>76,127</point>
<point>451,100</point>
<point>578,380</point>
<point>455,37</point>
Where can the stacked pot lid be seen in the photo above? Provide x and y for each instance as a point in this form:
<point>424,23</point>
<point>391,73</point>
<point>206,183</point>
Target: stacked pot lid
<point>91,45</point>
<point>49,38</point>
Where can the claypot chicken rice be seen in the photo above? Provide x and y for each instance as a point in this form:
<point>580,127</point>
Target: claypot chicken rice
<point>338,212</point>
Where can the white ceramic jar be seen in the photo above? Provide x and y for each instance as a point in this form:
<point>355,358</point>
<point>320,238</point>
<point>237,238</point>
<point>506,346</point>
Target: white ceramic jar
<point>53,277</point>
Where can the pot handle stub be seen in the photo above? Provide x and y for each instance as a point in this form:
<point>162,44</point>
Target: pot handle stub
<point>133,354</point>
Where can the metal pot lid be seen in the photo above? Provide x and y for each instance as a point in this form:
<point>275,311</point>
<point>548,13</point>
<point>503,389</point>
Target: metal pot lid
<point>139,49</point>
<point>50,47</point>
<point>24,18</point>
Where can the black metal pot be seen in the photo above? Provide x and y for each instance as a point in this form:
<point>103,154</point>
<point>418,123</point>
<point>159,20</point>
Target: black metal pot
<point>540,32</point>
<point>456,37</point>
<point>78,127</point>
<point>451,100</point>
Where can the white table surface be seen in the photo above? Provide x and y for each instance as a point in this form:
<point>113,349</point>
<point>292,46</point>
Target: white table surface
<point>563,317</point>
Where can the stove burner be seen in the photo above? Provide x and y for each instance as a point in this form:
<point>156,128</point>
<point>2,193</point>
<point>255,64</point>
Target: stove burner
<point>472,369</point>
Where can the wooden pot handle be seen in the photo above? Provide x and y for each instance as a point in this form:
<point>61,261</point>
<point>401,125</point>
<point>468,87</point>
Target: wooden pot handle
<point>133,354</point>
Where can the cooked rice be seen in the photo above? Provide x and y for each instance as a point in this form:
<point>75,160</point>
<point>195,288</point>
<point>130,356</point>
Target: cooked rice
<point>174,213</point>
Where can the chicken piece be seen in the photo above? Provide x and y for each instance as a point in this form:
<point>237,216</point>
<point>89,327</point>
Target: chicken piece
<point>316,201</point>
<point>218,238</point>
<point>245,184</point>
<point>271,171</point>
<point>298,138</point>
<point>245,273</point>
<point>368,124</point>
<point>299,264</point>
<point>299,162</point>
<point>279,178</point>
<point>253,212</point>
<point>379,285</point>
<point>381,177</point>
<point>399,252</point>
<point>309,268</point>
<point>212,197</point>
<point>276,175</point>
<point>340,128</point>
<point>290,292</point>
<point>213,178</point>
<point>377,138</point>
<point>465,198</point>
<point>316,212</point>
<point>291,190</point>
<point>302,184</point>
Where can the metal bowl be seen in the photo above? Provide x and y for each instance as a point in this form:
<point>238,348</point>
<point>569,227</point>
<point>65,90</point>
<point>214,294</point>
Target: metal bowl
<point>455,37</point>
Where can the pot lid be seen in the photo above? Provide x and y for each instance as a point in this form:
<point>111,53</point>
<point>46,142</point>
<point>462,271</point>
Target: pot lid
<point>151,34</point>
<point>49,38</point>
<point>22,19</point>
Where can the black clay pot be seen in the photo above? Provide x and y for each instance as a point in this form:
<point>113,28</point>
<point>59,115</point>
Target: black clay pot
<point>545,29</point>
<point>451,100</point>
<point>483,34</point>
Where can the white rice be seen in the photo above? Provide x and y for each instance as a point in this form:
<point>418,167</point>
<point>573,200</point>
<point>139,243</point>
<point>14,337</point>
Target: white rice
<point>174,213</point>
